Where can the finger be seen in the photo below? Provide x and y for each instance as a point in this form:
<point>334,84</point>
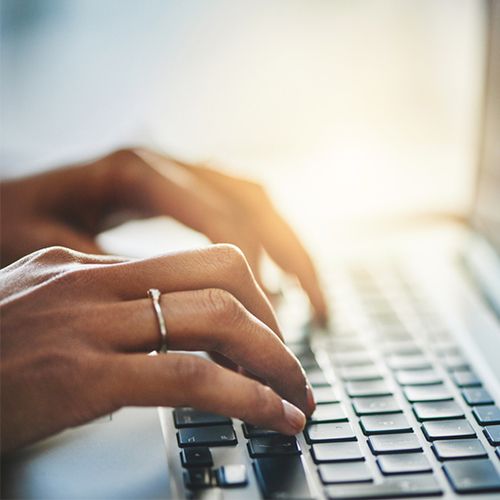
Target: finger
<point>210,320</point>
<point>185,380</point>
<point>218,266</point>
<point>275,234</point>
<point>285,248</point>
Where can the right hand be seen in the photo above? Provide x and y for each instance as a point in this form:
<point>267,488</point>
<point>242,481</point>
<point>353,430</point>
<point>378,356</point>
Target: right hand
<point>70,206</point>
<point>76,329</point>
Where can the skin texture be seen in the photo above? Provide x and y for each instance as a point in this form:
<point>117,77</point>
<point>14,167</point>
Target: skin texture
<point>77,325</point>
<point>76,330</point>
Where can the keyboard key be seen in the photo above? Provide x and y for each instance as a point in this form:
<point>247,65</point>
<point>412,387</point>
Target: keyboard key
<point>477,396</point>
<point>409,362</point>
<point>196,457</point>
<point>230,476</point>
<point>437,410</point>
<point>387,320</point>
<point>325,433</point>
<point>356,358</point>
<point>394,443</point>
<point>497,451</point>
<point>333,412</point>
<point>445,347</point>
<point>487,414</point>
<point>459,448</point>
<point>492,433</point>
<point>392,332</point>
<point>324,395</point>
<point>281,477</point>
<point>300,349</point>
<point>195,479</point>
<point>215,435</point>
<point>465,378</point>
<point>317,378</point>
<point>423,393</point>
<point>404,463</point>
<point>368,388</point>
<point>336,452</point>
<point>360,373</point>
<point>454,362</point>
<point>356,472</point>
<point>345,344</point>
<point>472,476</point>
<point>273,445</point>
<point>384,424</point>
<point>376,405</point>
<point>417,377</point>
<point>189,417</point>
<point>404,487</point>
<point>404,347</point>
<point>251,431</point>
<point>307,360</point>
<point>448,429</point>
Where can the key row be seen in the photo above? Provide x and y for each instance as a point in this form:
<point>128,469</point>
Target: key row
<point>396,444</point>
<point>328,432</point>
<point>429,403</point>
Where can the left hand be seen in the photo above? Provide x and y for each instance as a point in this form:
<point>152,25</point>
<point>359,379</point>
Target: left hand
<point>70,206</point>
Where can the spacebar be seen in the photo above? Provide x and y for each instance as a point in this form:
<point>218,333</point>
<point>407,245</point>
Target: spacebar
<point>404,487</point>
<point>282,477</point>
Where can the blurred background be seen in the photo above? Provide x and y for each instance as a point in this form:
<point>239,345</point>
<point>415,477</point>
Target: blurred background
<point>348,112</point>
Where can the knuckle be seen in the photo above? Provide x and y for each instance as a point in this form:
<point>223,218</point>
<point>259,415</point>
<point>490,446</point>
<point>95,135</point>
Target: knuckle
<point>123,157</point>
<point>55,255</point>
<point>257,189</point>
<point>257,194</point>
<point>224,308</point>
<point>127,168</point>
<point>232,259</point>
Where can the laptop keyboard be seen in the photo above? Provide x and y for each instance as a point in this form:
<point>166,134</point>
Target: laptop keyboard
<point>400,411</point>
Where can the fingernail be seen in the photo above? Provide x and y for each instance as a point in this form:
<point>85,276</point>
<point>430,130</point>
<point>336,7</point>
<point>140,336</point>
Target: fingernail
<point>293,415</point>
<point>311,403</point>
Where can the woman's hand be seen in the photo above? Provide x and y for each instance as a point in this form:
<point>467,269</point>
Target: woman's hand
<point>69,207</point>
<point>76,329</point>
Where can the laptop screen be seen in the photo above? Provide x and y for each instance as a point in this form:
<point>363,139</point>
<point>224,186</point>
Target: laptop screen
<point>486,214</point>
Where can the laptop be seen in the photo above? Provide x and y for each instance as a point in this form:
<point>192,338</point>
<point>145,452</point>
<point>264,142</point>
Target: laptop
<point>406,377</point>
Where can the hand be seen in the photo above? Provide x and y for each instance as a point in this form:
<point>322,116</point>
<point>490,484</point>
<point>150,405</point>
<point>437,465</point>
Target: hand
<point>76,329</point>
<point>69,207</point>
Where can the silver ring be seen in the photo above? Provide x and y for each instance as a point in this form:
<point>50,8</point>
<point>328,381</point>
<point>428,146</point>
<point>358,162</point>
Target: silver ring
<point>155,295</point>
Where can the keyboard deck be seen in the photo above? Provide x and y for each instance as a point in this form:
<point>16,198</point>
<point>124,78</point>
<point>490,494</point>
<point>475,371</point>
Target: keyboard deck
<point>400,412</point>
